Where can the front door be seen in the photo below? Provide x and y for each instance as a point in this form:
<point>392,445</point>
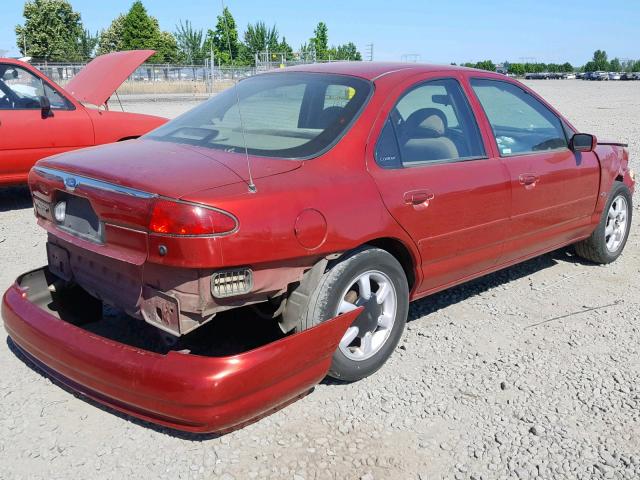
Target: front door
<point>25,135</point>
<point>554,190</point>
<point>435,178</point>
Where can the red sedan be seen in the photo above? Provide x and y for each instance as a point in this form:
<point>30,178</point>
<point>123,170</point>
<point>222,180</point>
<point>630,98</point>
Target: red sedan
<point>327,197</point>
<point>39,118</point>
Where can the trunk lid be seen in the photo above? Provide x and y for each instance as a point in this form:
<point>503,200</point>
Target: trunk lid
<point>163,168</point>
<point>96,82</point>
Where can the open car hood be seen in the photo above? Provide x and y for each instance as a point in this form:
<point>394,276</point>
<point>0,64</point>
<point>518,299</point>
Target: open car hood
<point>96,82</point>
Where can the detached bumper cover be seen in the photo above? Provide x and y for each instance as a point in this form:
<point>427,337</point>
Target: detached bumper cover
<point>182,391</point>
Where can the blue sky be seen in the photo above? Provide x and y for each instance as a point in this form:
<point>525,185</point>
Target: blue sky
<point>440,32</point>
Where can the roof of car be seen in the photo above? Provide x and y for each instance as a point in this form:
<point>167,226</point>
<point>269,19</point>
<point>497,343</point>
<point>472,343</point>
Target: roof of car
<point>372,70</point>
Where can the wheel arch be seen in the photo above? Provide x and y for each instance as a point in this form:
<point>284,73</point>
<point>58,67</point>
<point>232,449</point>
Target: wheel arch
<point>400,252</point>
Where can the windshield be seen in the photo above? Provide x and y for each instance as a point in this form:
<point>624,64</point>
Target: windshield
<point>284,115</point>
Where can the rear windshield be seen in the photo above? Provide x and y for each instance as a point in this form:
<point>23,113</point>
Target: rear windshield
<point>284,115</point>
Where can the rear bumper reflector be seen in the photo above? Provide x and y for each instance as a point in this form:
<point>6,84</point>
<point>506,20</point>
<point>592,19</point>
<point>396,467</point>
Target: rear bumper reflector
<point>231,282</point>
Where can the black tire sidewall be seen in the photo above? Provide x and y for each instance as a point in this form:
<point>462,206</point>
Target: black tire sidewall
<point>325,303</point>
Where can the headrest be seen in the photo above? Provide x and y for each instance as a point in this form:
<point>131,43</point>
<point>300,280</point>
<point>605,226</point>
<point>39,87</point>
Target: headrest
<point>426,122</point>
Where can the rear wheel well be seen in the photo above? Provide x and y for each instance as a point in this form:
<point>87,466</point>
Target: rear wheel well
<point>128,138</point>
<point>401,253</point>
<point>620,178</point>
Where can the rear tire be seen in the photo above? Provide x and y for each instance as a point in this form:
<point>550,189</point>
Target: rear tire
<point>607,241</point>
<point>368,277</point>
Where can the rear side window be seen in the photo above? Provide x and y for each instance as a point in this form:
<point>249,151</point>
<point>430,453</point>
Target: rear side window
<point>431,122</point>
<point>521,123</point>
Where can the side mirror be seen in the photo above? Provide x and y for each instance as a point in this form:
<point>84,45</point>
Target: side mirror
<point>45,107</point>
<point>583,142</point>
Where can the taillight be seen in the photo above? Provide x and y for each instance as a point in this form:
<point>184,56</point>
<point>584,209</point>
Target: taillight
<point>189,219</point>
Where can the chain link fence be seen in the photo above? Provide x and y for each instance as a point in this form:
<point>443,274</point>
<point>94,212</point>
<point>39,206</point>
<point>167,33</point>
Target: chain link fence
<point>159,79</point>
<point>163,79</point>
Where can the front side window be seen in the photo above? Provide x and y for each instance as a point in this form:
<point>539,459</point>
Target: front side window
<point>520,122</point>
<point>430,123</point>
<point>20,90</point>
<point>284,115</point>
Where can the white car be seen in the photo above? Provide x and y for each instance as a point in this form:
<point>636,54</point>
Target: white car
<point>570,76</point>
<point>614,76</point>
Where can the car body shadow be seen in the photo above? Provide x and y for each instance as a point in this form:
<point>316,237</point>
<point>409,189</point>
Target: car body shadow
<point>438,301</point>
<point>15,198</point>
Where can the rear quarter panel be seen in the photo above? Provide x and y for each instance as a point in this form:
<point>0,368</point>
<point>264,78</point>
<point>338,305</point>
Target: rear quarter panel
<point>110,126</point>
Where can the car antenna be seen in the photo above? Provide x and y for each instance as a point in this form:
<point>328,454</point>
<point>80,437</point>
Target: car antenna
<point>251,185</point>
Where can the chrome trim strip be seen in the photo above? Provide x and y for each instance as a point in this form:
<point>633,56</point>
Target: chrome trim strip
<point>72,181</point>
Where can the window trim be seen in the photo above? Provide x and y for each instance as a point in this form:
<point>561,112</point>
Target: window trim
<point>44,81</point>
<point>426,163</point>
<point>527,92</point>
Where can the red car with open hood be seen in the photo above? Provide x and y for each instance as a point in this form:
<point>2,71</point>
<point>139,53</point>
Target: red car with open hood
<point>39,118</point>
<point>325,198</point>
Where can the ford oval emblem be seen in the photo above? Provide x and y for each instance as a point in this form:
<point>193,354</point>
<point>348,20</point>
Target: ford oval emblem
<point>70,183</point>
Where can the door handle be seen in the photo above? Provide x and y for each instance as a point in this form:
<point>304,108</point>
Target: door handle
<point>528,179</point>
<point>418,197</point>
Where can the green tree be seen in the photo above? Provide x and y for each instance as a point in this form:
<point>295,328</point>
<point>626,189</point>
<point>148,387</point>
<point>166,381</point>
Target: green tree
<point>517,69</point>
<point>259,38</point>
<point>142,31</point>
<point>139,29</point>
<point>590,66</point>
<point>348,51</point>
<point>486,65</point>
<point>87,44</point>
<point>111,37</point>
<point>285,48</point>
<point>600,60</point>
<point>320,41</point>
<point>615,65</point>
<point>190,43</point>
<point>167,49</point>
<point>567,67</point>
<point>223,40</point>
<point>52,30</point>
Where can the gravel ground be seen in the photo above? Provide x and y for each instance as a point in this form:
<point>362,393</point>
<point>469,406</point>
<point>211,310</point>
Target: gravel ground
<point>531,372</point>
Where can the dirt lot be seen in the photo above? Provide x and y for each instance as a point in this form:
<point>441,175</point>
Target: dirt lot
<point>532,372</point>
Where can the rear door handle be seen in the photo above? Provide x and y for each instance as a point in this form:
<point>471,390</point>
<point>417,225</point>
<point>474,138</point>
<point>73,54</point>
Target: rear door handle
<point>528,179</point>
<point>418,197</point>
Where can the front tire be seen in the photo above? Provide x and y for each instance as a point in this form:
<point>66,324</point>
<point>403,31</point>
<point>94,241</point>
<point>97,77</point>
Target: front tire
<point>607,241</point>
<point>371,278</point>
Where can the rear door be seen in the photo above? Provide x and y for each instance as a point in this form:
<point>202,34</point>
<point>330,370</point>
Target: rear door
<point>25,136</point>
<point>554,190</point>
<point>432,170</point>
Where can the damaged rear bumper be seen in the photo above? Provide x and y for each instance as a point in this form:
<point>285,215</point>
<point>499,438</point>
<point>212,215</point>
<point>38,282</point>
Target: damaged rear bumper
<point>182,391</point>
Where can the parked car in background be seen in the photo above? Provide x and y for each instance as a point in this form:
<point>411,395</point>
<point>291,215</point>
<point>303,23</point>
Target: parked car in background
<point>570,76</point>
<point>599,76</point>
<point>614,76</point>
<point>39,118</point>
<point>325,196</point>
